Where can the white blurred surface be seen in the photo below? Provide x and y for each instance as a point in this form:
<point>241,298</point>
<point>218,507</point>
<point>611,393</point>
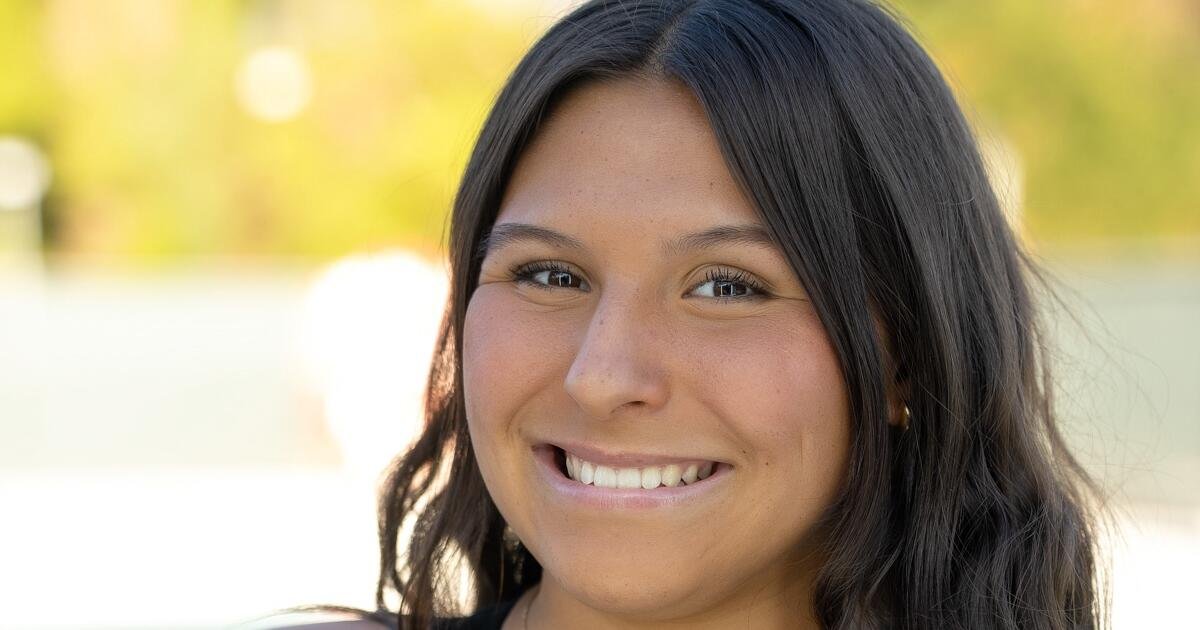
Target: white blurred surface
<point>367,336</point>
<point>1154,559</point>
<point>204,548</point>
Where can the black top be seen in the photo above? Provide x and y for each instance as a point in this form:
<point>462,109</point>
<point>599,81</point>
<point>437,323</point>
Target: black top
<point>490,618</point>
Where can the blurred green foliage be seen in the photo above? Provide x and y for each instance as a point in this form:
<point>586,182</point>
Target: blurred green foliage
<point>154,159</point>
<point>1101,98</point>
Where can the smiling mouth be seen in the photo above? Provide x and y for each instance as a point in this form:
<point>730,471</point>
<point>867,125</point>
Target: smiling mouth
<point>670,475</point>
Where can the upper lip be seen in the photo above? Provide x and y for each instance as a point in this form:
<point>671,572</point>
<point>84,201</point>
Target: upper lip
<point>621,458</point>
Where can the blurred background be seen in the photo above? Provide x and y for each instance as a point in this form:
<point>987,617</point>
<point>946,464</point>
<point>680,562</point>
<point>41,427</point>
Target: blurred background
<point>221,238</point>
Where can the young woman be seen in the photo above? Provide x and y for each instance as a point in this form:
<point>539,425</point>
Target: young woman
<point>738,337</point>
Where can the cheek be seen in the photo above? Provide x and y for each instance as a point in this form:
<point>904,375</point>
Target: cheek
<point>779,386</point>
<point>508,358</point>
<point>489,391</point>
<point>502,336</point>
<point>488,355</point>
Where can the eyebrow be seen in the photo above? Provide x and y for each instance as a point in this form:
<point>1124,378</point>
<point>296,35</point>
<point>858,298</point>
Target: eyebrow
<point>505,234</point>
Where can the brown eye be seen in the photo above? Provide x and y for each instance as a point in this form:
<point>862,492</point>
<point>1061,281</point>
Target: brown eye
<point>549,275</point>
<point>729,285</point>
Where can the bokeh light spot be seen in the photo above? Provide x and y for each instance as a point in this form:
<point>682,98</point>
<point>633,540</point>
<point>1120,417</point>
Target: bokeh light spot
<point>273,84</point>
<point>24,174</point>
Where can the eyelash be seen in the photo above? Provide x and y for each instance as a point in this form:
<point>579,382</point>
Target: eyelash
<point>523,274</point>
<point>737,276</point>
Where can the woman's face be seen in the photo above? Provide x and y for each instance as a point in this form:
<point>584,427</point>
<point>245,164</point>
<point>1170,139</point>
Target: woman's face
<point>632,312</point>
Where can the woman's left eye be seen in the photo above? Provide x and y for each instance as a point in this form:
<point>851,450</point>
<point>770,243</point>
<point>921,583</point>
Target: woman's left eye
<point>729,285</point>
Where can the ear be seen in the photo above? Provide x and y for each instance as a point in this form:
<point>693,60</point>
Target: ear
<point>899,392</point>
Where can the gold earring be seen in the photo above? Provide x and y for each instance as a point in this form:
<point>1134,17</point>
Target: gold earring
<point>905,419</point>
<point>512,544</point>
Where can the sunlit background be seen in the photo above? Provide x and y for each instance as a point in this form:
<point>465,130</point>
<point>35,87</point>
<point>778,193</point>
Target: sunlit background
<point>221,228</point>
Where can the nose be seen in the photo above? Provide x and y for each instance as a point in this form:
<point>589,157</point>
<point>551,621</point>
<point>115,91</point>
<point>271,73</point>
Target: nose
<point>618,364</point>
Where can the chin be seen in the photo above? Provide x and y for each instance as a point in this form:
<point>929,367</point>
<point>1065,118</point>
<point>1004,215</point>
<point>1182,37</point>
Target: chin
<point>619,583</point>
<point>630,598</point>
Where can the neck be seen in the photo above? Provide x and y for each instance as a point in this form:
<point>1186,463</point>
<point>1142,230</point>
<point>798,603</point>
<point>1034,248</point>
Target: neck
<point>759,605</point>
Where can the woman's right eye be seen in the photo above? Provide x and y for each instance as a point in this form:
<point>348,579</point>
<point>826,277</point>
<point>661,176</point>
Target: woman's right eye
<point>549,275</point>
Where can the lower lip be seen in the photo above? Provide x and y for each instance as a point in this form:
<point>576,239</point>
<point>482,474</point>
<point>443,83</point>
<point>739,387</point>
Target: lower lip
<point>590,496</point>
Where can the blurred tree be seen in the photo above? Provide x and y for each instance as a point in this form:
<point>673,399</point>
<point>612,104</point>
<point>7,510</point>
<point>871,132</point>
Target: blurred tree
<point>1100,98</point>
<point>156,160</point>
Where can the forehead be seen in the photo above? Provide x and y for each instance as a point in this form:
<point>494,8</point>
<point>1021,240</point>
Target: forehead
<point>625,152</point>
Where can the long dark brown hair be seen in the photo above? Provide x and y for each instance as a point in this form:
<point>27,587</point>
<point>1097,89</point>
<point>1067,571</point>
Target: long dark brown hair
<point>843,134</point>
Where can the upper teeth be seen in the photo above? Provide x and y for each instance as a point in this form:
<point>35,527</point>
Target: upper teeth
<point>648,477</point>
